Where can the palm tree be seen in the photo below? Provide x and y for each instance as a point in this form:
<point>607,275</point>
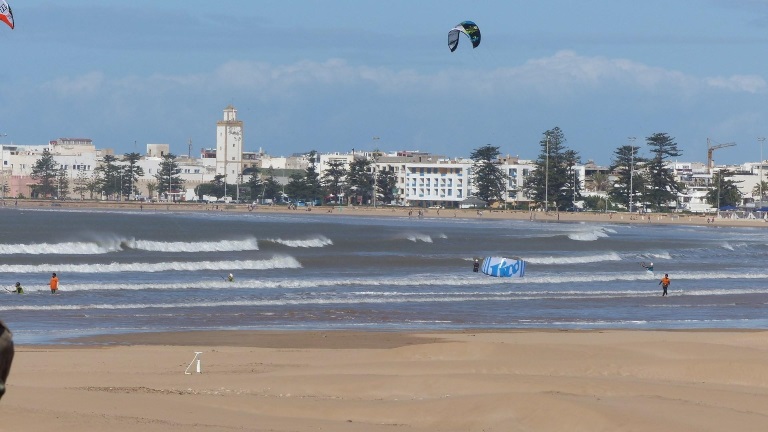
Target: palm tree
<point>758,189</point>
<point>600,182</point>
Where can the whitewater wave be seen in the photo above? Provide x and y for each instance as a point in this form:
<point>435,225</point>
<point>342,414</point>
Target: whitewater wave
<point>272,263</point>
<point>553,260</point>
<point>205,246</point>
<point>374,297</point>
<point>108,244</point>
<point>483,284</point>
<point>418,237</point>
<point>315,242</point>
<point>590,235</point>
<point>68,248</point>
<point>656,255</point>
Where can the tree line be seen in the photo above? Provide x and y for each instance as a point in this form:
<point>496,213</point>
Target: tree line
<point>635,181</point>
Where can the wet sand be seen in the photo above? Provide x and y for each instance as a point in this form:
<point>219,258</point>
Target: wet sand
<point>726,219</point>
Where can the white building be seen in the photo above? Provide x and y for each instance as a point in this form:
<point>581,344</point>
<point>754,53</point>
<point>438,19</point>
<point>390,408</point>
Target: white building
<point>229,146</point>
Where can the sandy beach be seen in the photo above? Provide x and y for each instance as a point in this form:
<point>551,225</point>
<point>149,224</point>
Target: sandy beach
<point>506,380</point>
<point>347,381</point>
<point>726,218</point>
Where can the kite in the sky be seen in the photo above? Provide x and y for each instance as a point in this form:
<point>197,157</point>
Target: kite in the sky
<point>6,15</point>
<point>468,28</point>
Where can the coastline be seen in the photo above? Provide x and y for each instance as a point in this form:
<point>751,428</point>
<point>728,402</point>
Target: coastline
<point>403,212</point>
<point>533,380</point>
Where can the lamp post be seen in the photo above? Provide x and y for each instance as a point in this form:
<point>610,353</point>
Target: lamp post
<point>2,172</point>
<point>373,170</point>
<point>546,179</point>
<point>631,172</point>
<point>760,182</point>
<point>719,182</point>
<point>573,200</point>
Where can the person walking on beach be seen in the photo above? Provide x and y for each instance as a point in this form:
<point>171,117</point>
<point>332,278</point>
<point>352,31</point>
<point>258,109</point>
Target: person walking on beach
<point>664,284</point>
<point>54,284</point>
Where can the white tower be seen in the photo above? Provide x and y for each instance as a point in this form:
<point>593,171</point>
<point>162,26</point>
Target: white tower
<point>229,146</point>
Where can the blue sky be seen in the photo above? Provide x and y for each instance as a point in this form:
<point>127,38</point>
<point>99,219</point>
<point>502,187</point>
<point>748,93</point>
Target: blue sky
<point>331,75</point>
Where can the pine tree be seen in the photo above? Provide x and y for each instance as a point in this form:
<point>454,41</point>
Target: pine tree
<point>661,187</point>
<point>553,184</point>
<point>487,176</point>
<point>45,172</point>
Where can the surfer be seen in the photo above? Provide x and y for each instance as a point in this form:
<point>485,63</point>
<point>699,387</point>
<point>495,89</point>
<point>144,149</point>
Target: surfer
<point>476,265</point>
<point>19,289</point>
<point>54,284</point>
<point>230,278</point>
<point>648,266</point>
<point>664,283</point>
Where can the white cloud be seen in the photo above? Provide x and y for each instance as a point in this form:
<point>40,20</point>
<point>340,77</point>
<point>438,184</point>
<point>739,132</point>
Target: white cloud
<point>87,84</point>
<point>564,71</point>
<point>739,83</point>
<point>558,75</point>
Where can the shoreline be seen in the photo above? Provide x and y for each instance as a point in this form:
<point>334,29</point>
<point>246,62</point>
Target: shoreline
<point>403,212</point>
<point>349,381</point>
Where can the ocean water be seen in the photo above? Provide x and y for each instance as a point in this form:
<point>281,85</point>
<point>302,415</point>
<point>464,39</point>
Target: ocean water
<point>131,271</point>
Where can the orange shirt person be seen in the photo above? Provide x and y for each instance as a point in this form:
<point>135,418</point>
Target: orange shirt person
<point>54,284</point>
<point>664,284</point>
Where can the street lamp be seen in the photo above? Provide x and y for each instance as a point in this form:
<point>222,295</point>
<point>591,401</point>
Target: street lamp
<point>631,172</point>
<point>2,172</point>
<point>760,182</point>
<point>373,170</point>
<point>546,180</point>
<point>719,183</point>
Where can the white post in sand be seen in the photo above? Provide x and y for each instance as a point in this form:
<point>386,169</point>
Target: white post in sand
<point>196,359</point>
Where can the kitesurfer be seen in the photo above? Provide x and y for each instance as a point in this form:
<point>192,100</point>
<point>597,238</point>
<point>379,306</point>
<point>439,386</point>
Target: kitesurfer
<point>230,278</point>
<point>664,283</point>
<point>19,289</point>
<point>648,266</point>
<point>476,266</point>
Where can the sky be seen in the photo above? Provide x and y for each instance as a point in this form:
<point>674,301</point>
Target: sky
<point>337,75</point>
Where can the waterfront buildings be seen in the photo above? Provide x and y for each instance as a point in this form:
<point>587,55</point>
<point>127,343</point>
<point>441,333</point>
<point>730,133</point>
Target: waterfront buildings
<point>422,179</point>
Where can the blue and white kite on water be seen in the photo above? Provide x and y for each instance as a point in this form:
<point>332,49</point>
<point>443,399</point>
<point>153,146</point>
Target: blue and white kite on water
<point>503,267</point>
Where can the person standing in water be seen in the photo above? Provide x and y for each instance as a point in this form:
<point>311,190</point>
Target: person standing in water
<point>18,289</point>
<point>54,284</point>
<point>664,284</point>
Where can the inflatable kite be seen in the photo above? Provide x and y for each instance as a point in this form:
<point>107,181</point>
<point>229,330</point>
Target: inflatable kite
<point>6,15</point>
<point>468,28</point>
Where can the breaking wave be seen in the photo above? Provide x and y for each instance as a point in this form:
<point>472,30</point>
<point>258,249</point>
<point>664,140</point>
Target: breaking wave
<point>316,242</point>
<point>272,263</point>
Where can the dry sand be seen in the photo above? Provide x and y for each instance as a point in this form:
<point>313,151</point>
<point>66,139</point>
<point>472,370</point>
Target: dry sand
<point>352,381</point>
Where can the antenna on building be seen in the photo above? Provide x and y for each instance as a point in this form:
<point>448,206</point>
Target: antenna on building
<point>189,152</point>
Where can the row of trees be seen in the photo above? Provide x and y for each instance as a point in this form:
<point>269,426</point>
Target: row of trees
<point>360,182</point>
<point>114,178</point>
<point>554,183</point>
